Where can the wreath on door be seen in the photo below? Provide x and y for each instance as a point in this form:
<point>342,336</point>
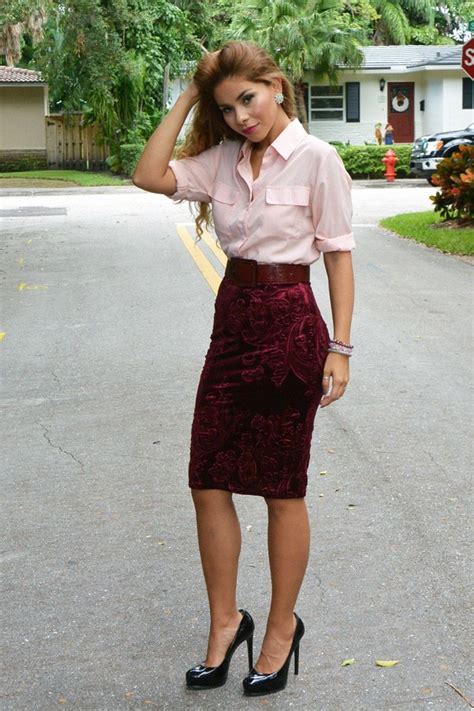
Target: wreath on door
<point>400,102</point>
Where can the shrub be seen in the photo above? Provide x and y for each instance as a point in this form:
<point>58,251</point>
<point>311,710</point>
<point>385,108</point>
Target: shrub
<point>12,164</point>
<point>143,126</point>
<point>455,178</point>
<point>132,142</point>
<point>113,163</point>
<point>366,161</point>
<point>129,156</point>
<point>125,160</point>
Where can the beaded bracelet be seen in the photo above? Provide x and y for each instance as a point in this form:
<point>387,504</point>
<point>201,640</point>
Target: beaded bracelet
<point>340,343</point>
<point>340,347</point>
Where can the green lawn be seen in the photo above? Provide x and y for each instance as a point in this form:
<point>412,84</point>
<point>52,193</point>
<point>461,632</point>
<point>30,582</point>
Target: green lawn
<point>420,227</point>
<point>78,177</point>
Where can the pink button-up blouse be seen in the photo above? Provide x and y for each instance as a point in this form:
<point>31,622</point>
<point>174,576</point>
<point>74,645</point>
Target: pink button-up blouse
<point>299,206</point>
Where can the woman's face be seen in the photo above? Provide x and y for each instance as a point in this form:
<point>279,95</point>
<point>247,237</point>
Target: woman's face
<point>249,108</point>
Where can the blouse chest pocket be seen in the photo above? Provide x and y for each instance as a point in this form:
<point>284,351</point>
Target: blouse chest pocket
<point>223,193</point>
<point>287,208</point>
<point>223,198</point>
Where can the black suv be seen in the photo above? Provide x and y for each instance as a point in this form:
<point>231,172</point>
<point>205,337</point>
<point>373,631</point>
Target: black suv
<point>427,151</point>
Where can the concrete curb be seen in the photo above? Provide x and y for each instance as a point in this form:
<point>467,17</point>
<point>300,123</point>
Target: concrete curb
<point>103,189</point>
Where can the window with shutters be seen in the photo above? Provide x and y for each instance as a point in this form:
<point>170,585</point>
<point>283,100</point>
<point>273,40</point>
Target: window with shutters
<point>352,101</point>
<point>467,93</point>
<point>327,102</point>
<point>306,99</point>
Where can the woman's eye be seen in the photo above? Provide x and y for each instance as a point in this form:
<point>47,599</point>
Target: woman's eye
<point>246,100</point>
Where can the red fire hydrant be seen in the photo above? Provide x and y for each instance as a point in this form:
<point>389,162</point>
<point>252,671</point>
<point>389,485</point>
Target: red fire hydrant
<point>390,159</point>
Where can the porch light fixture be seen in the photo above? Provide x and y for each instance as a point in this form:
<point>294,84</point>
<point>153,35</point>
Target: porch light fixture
<point>382,84</point>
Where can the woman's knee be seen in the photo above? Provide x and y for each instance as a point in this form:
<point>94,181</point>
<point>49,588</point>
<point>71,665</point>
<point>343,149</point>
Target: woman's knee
<point>285,506</point>
<point>211,498</point>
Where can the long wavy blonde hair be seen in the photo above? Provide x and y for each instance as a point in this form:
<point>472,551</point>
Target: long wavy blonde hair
<point>208,127</point>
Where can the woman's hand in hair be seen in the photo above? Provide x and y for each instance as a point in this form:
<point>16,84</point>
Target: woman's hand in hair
<point>192,92</point>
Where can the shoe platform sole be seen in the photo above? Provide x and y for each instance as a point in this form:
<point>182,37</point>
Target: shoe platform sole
<point>211,686</point>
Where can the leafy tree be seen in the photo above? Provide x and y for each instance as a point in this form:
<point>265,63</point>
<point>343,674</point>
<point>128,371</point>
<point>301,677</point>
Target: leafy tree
<point>108,59</point>
<point>203,20</point>
<point>394,16</point>
<point>220,14</point>
<point>21,25</point>
<point>411,21</point>
<point>451,18</point>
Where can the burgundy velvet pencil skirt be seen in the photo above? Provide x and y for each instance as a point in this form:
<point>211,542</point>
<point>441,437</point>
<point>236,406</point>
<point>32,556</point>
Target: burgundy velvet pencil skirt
<point>259,390</point>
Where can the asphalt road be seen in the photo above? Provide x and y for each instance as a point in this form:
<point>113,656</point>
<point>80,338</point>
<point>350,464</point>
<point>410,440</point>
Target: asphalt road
<point>106,319</point>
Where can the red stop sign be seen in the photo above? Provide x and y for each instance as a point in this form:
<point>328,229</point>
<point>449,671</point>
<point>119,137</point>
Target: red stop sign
<point>467,58</point>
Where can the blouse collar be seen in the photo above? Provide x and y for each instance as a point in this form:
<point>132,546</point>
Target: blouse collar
<point>286,141</point>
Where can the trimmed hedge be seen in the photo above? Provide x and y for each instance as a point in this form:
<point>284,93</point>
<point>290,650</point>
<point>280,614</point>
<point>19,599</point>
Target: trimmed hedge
<point>360,161</point>
<point>366,161</point>
<point>12,164</point>
<point>129,156</point>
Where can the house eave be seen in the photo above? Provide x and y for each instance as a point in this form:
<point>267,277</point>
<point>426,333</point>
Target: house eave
<point>402,69</point>
<point>23,83</point>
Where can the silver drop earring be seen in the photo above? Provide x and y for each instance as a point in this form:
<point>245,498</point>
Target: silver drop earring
<point>279,98</point>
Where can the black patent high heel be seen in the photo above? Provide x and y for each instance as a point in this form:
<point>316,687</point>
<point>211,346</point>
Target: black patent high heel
<point>256,683</point>
<point>202,677</point>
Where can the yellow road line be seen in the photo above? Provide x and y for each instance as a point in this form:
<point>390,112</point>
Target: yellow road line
<point>22,286</point>
<point>215,249</point>
<point>2,335</point>
<point>204,266</point>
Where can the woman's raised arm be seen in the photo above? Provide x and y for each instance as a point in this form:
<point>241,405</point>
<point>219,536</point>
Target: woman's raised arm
<point>152,172</point>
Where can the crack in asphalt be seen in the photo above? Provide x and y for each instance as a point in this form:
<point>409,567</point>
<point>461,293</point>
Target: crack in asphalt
<point>58,446</point>
<point>435,461</point>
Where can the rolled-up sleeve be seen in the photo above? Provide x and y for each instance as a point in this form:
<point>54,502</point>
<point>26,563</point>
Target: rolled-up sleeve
<point>332,205</point>
<point>195,175</point>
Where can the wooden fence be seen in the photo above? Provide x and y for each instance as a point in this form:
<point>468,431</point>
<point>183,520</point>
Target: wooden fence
<point>71,145</point>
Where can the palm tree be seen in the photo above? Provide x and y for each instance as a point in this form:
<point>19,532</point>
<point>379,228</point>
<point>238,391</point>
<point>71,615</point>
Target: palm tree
<point>301,35</point>
<point>22,18</point>
<point>395,16</point>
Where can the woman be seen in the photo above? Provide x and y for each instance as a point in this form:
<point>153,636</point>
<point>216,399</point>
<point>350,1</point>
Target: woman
<point>279,198</point>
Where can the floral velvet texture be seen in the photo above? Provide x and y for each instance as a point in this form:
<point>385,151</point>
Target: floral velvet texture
<point>259,391</point>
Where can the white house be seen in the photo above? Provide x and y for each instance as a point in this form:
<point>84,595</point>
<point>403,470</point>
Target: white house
<point>418,89</point>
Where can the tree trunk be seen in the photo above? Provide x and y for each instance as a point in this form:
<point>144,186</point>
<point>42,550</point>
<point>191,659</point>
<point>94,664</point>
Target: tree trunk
<point>300,103</point>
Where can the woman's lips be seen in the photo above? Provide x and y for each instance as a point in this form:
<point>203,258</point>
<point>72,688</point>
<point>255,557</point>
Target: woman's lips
<point>249,130</point>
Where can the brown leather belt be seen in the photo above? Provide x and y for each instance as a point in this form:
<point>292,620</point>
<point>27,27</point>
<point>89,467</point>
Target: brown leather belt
<point>247,272</point>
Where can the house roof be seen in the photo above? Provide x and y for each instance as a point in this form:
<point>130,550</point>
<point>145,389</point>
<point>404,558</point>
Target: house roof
<point>411,55</point>
<point>18,75</point>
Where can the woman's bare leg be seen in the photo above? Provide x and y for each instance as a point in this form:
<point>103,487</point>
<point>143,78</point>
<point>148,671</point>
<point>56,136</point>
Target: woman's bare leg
<point>288,550</point>
<point>219,545</point>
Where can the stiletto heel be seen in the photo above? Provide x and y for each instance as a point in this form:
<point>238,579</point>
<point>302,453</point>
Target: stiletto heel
<point>202,677</point>
<point>257,683</point>
<point>250,650</point>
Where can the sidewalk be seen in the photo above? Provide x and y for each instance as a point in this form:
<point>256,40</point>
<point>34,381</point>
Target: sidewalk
<point>5,191</point>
